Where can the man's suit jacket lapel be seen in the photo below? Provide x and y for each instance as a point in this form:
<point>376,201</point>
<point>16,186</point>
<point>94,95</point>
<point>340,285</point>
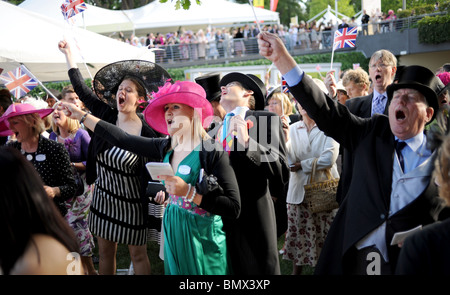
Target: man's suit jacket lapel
<point>384,153</point>
<point>366,108</point>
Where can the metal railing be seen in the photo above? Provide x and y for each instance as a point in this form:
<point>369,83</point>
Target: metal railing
<point>400,24</point>
<point>237,48</point>
<point>246,48</point>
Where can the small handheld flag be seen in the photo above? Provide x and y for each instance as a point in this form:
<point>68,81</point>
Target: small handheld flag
<point>19,81</point>
<point>284,86</point>
<point>72,7</point>
<point>345,37</point>
<point>254,13</point>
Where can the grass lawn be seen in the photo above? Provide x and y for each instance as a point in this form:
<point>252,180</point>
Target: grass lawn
<point>157,265</point>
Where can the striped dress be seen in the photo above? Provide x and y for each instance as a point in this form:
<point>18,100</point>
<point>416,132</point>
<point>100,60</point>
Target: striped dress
<point>117,210</point>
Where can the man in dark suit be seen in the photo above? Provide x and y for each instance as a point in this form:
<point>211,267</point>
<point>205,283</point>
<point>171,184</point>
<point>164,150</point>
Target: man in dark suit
<point>255,141</point>
<point>391,191</point>
<point>365,22</point>
<point>382,69</point>
<point>344,24</point>
<point>210,82</point>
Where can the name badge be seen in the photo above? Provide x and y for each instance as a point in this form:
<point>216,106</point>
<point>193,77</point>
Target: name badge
<point>40,157</point>
<point>184,169</point>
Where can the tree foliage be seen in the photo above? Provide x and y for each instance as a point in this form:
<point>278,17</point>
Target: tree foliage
<point>286,9</point>
<point>119,4</point>
<point>345,7</point>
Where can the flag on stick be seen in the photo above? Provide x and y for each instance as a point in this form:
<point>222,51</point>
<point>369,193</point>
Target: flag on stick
<point>258,3</point>
<point>19,81</point>
<point>254,13</point>
<point>273,5</point>
<point>72,7</point>
<point>344,38</point>
<point>284,86</point>
<point>318,68</point>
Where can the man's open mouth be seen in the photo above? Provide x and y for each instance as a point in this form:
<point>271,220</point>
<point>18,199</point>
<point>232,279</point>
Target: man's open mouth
<point>400,115</point>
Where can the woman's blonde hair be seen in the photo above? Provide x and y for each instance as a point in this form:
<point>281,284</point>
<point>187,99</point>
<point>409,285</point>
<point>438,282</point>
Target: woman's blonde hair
<point>197,129</point>
<point>285,101</point>
<point>35,121</point>
<point>72,125</point>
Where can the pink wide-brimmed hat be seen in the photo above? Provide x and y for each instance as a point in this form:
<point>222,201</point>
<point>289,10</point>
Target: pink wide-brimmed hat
<point>4,130</point>
<point>183,92</point>
<point>18,109</point>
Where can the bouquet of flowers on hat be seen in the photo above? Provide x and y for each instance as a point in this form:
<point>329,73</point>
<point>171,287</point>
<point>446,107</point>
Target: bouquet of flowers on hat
<point>167,88</point>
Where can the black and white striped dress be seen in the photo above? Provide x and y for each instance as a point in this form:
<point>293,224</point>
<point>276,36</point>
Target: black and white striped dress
<point>117,211</point>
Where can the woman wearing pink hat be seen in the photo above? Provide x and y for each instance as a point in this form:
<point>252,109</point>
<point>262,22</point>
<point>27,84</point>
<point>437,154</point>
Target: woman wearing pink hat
<point>204,188</point>
<point>49,158</point>
<point>119,208</point>
<point>76,140</point>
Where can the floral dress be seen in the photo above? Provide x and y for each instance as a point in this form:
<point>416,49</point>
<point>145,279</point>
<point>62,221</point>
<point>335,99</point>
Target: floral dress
<point>78,206</point>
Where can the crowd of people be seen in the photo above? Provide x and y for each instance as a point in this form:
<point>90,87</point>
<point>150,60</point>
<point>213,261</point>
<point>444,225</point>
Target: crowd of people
<point>226,42</point>
<point>241,153</point>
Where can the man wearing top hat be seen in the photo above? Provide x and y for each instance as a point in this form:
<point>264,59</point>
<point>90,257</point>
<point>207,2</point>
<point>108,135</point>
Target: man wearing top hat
<point>391,191</point>
<point>255,142</point>
<point>210,82</point>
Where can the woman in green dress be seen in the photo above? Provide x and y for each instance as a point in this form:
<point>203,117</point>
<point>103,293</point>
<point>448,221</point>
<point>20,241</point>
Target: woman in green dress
<point>203,193</point>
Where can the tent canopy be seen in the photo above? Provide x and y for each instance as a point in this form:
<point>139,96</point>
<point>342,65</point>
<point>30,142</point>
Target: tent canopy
<point>33,41</point>
<point>164,18</point>
<point>329,15</point>
<point>157,16</point>
<point>94,18</point>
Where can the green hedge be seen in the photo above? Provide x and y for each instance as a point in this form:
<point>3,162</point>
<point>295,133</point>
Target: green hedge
<point>434,30</point>
<point>423,9</point>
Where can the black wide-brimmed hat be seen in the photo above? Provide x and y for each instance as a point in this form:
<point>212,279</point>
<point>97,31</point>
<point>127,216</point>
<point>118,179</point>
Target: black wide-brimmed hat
<point>250,82</point>
<point>272,91</point>
<point>210,82</point>
<point>442,88</point>
<point>420,79</point>
<point>107,79</point>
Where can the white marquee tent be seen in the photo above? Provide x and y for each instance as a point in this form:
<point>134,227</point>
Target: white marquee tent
<point>32,39</point>
<point>329,15</point>
<point>158,17</point>
<point>215,13</point>
<point>94,18</point>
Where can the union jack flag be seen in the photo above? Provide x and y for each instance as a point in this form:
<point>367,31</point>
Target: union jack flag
<point>345,37</point>
<point>72,7</point>
<point>18,81</point>
<point>284,86</point>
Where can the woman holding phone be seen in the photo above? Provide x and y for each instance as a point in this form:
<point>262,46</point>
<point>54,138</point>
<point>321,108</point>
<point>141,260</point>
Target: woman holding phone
<point>193,222</point>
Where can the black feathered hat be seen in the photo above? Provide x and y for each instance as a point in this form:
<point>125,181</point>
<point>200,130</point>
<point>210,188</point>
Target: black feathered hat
<point>107,79</point>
